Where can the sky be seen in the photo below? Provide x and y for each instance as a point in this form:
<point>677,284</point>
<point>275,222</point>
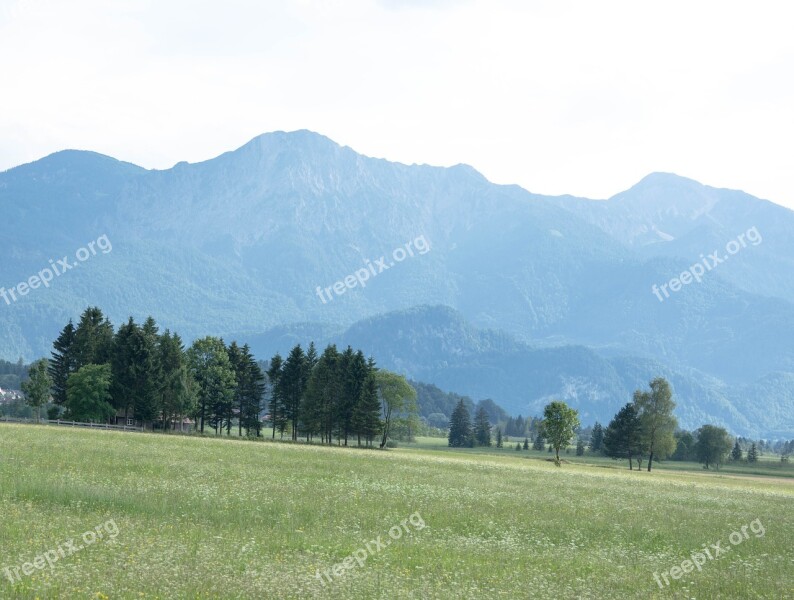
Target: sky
<point>560,97</point>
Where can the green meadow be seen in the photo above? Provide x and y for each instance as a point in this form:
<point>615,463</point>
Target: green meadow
<point>215,518</point>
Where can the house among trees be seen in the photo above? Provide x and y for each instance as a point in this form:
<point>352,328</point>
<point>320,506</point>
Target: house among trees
<point>127,417</point>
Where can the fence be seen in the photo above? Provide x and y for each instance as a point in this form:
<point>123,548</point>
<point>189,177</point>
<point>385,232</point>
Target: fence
<point>72,424</point>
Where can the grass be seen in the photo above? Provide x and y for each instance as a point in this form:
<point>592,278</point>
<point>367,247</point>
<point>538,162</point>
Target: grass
<point>212,518</point>
<point>769,465</point>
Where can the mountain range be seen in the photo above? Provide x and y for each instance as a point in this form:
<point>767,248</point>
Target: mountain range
<point>486,290</point>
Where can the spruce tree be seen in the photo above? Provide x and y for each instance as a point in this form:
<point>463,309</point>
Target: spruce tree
<point>276,406</point>
<point>353,371</point>
<point>151,380</point>
<point>580,448</point>
<point>62,363</point>
<point>597,437</point>
<point>459,426</point>
<point>311,358</point>
<point>622,435</point>
<point>134,376</point>
<point>236,361</point>
<point>346,399</point>
<point>93,339</point>
<point>177,392</point>
<point>499,441</point>
<point>752,454</point>
<point>249,391</point>
<point>736,454</point>
<point>367,416</point>
<point>482,428</point>
<point>293,385</point>
<point>539,442</point>
<point>320,401</point>
<point>526,443</point>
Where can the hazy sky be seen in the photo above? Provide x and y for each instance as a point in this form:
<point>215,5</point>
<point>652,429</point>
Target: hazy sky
<point>560,97</point>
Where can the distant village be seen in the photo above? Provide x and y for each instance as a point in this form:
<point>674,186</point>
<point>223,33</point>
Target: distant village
<point>7,396</point>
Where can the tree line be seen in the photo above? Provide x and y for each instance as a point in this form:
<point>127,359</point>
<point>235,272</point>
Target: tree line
<point>643,431</point>
<point>338,395</point>
<point>97,373</point>
<point>559,426</point>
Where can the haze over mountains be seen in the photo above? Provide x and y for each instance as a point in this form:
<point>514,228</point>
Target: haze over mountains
<point>521,297</point>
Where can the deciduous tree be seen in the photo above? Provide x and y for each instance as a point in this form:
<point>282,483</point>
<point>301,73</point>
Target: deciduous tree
<point>88,394</point>
<point>712,446</point>
<point>655,411</point>
<point>37,387</point>
<point>559,424</point>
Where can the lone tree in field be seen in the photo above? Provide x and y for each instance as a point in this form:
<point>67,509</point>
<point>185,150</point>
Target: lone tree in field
<point>655,410</point>
<point>460,426</point>
<point>539,442</point>
<point>526,443</point>
<point>712,446</point>
<point>559,423</point>
<point>37,387</point>
<point>482,428</point>
<point>499,437</point>
<point>580,448</point>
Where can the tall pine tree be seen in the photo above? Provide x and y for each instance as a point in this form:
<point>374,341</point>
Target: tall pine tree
<point>276,407</point>
<point>293,383</point>
<point>622,438</point>
<point>62,363</point>
<point>460,427</point>
<point>596,438</point>
<point>482,427</point>
<point>366,418</point>
<point>93,339</point>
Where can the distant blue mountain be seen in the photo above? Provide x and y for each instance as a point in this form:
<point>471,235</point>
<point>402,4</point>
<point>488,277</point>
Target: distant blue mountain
<point>545,295</point>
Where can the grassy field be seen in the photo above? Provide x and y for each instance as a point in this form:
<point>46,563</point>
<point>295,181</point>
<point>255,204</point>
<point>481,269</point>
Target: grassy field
<point>768,465</point>
<point>209,518</point>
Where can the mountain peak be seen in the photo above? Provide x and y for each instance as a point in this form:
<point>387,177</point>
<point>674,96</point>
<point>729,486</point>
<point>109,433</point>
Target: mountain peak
<point>298,137</point>
<point>301,143</point>
<point>75,160</point>
<point>668,181</point>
